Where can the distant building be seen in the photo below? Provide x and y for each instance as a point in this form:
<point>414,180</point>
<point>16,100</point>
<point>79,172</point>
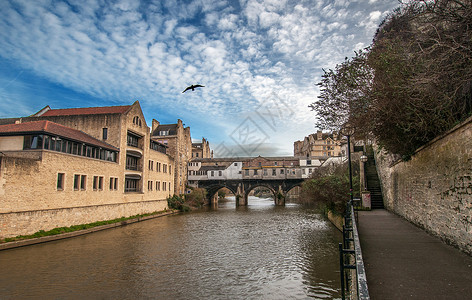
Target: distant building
<point>62,167</point>
<point>201,149</point>
<point>241,168</point>
<point>319,144</point>
<point>179,142</point>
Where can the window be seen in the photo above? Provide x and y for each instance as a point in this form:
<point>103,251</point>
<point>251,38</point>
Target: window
<point>137,121</point>
<point>255,172</point>
<point>83,182</point>
<point>275,163</point>
<point>308,161</point>
<point>132,163</point>
<point>76,182</point>
<point>220,173</point>
<point>212,173</point>
<point>105,133</point>
<point>246,172</point>
<point>131,185</point>
<point>158,185</point>
<point>100,183</point>
<point>164,186</point>
<point>151,165</point>
<point>282,171</point>
<point>265,172</point>
<point>170,169</point>
<point>132,140</point>
<point>164,168</point>
<point>150,185</point>
<point>60,181</point>
<point>112,183</point>
<point>95,183</point>
<point>274,172</point>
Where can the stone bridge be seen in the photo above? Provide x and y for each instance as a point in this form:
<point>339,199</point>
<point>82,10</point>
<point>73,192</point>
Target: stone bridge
<point>242,187</point>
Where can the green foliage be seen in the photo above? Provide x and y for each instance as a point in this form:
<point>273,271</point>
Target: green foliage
<point>412,84</point>
<point>331,188</point>
<point>221,194</point>
<point>196,198</point>
<point>178,203</point>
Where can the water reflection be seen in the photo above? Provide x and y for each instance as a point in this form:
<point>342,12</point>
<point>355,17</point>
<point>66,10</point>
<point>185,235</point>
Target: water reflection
<point>256,252</point>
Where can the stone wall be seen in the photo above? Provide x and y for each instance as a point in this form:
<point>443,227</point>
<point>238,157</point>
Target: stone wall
<point>28,222</point>
<point>434,189</point>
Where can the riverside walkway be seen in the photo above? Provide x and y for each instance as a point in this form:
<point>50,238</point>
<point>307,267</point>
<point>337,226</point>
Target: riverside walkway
<point>404,262</point>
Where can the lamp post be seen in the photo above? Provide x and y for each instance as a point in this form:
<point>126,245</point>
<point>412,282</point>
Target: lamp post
<point>363,159</point>
<point>348,130</point>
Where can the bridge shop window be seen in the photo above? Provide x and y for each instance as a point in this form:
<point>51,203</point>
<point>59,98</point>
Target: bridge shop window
<point>274,172</point>
<point>246,172</point>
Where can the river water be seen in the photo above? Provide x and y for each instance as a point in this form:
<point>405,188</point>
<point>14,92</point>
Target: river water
<point>259,251</point>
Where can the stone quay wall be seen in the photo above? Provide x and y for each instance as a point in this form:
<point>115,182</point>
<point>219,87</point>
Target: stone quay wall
<point>434,189</point>
<point>28,222</point>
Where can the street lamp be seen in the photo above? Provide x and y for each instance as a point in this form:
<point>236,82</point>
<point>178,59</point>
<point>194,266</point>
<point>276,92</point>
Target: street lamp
<point>363,159</point>
<point>348,130</point>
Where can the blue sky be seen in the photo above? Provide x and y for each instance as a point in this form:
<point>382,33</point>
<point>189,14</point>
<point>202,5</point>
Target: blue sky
<point>259,61</point>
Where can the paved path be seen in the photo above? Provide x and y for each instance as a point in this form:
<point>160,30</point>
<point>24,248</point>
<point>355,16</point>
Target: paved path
<point>404,262</point>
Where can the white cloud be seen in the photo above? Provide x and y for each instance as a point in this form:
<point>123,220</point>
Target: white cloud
<point>242,52</point>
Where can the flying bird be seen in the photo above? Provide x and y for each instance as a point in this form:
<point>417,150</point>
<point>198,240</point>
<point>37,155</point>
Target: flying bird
<point>192,87</point>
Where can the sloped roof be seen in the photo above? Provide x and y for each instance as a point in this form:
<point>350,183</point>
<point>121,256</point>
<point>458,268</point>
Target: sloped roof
<point>171,128</point>
<point>8,121</point>
<point>48,127</point>
<point>82,111</point>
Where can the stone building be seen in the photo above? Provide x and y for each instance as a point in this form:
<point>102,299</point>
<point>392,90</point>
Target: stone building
<point>61,167</point>
<point>179,142</point>
<point>202,149</point>
<point>319,144</point>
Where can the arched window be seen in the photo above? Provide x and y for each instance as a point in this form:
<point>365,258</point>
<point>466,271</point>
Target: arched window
<point>137,121</point>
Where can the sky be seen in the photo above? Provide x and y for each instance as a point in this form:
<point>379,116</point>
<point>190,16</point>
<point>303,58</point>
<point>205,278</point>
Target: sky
<point>259,61</point>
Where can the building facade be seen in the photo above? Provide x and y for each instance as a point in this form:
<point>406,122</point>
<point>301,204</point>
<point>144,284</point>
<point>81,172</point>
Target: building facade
<point>319,144</point>
<point>179,142</point>
<point>61,167</point>
<point>201,150</point>
<point>245,168</point>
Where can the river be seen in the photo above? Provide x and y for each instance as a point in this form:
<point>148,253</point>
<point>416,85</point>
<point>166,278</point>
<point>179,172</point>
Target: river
<point>259,251</point>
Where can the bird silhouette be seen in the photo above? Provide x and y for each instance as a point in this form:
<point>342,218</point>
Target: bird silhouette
<point>192,87</point>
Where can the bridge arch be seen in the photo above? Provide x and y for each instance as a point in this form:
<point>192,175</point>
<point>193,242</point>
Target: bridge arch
<point>264,185</point>
<point>241,188</point>
<point>212,191</point>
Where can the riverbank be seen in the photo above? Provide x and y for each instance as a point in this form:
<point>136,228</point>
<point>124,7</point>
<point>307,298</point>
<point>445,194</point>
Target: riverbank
<point>66,235</point>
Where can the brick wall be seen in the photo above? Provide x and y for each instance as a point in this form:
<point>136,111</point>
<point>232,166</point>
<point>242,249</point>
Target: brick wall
<point>434,189</point>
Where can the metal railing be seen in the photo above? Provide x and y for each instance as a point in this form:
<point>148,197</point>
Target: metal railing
<point>353,278</point>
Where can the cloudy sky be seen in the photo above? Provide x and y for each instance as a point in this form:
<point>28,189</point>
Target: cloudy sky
<point>259,61</point>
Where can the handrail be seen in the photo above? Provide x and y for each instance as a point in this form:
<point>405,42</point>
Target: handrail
<point>350,259</point>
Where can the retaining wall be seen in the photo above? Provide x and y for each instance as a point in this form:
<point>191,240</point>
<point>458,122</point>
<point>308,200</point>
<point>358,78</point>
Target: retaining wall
<point>434,189</point>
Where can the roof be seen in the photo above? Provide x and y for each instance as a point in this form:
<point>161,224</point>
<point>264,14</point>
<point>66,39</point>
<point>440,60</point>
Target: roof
<point>9,121</point>
<point>48,127</point>
<point>48,112</point>
<point>171,128</point>
<point>212,168</point>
